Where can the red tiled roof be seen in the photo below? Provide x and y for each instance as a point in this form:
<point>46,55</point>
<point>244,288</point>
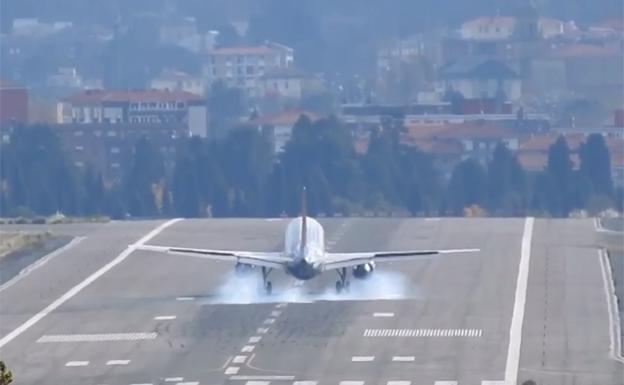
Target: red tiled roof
<point>284,118</point>
<point>541,143</point>
<point>100,96</point>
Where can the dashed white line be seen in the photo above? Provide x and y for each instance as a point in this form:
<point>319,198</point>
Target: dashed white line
<point>403,358</point>
<point>118,362</point>
<point>474,333</point>
<point>488,383</point>
<point>86,282</point>
<point>445,383</point>
<point>305,383</point>
<point>269,321</point>
<point>263,330</point>
<point>188,383</point>
<point>165,317</point>
<point>77,363</point>
<point>185,298</point>
<point>247,348</point>
<point>257,383</point>
<point>362,358</point>
<point>351,382</point>
<point>383,314</point>
<point>174,379</point>
<point>517,318</point>
<point>254,339</point>
<point>261,378</point>
<point>143,383</point>
<point>281,305</point>
<point>399,383</point>
<point>239,359</point>
<point>276,313</point>
<point>232,370</point>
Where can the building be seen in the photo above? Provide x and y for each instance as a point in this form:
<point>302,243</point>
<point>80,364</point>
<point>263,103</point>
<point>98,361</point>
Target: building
<point>105,147</point>
<point>13,103</point>
<point>288,83</point>
<point>179,81</point>
<point>243,67</point>
<point>508,27</point>
<point>135,107</point>
<point>479,77</point>
<point>278,127</point>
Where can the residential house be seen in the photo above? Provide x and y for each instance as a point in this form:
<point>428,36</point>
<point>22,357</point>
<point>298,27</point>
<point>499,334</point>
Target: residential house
<point>137,106</point>
<point>243,67</point>
<point>170,80</point>
<point>478,77</point>
<point>289,83</point>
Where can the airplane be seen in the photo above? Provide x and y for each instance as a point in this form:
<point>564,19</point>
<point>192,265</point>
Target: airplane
<point>304,256</point>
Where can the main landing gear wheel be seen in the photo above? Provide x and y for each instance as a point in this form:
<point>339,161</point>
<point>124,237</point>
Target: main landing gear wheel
<point>343,284</point>
<point>268,286</point>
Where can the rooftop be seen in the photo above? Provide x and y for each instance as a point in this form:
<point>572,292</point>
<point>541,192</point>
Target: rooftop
<point>100,96</point>
<point>289,117</point>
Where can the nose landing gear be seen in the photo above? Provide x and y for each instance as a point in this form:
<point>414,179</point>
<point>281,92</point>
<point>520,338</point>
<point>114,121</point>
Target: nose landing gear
<point>268,286</point>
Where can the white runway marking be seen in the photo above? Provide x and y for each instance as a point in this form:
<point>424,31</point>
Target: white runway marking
<point>305,383</point>
<point>118,362</point>
<point>276,313</point>
<point>399,383</point>
<point>403,358</point>
<point>174,379</point>
<point>232,370</point>
<point>90,279</point>
<point>254,339</point>
<point>517,318</point>
<point>107,337</point>
<point>239,359</point>
<point>40,262</point>
<point>263,330</point>
<point>351,382</point>
<point>77,363</point>
<point>257,383</point>
<point>281,305</point>
<point>185,298</point>
<point>445,383</point>
<point>247,348</point>
<point>165,317</point>
<point>383,314</point>
<point>475,333</point>
<point>261,378</point>
<point>269,321</point>
<point>188,383</point>
<point>362,358</point>
<point>491,383</point>
<point>612,308</point>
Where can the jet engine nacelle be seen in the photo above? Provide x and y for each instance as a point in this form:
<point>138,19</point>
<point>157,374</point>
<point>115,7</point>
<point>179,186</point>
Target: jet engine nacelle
<point>243,268</point>
<point>364,270</point>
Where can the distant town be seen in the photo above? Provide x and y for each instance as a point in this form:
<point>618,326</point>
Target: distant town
<point>515,79</point>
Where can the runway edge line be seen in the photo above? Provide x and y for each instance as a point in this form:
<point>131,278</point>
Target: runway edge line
<point>86,282</point>
<point>517,319</point>
<point>611,299</point>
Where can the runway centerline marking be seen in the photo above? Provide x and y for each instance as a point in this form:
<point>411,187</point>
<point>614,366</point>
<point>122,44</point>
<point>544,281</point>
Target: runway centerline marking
<point>403,358</point>
<point>174,379</point>
<point>185,298</point>
<point>239,359</point>
<point>437,333</point>
<point>276,313</point>
<point>445,383</point>
<point>362,358</point>
<point>388,315</point>
<point>351,382</point>
<point>261,378</point>
<point>247,348</point>
<point>105,337</point>
<point>86,282</point>
<point>188,383</point>
<point>517,318</point>
<point>399,383</point>
<point>165,317</point>
<point>232,370</point>
<point>118,362</point>
<point>254,339</point>
<point>305,382</point>
<point>269,321</point>
<point>76,363</point>
<point>263,330</point>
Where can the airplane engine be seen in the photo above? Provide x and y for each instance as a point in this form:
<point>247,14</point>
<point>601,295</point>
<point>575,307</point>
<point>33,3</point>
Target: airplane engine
<point>364,270</point>
<point>243,268</point>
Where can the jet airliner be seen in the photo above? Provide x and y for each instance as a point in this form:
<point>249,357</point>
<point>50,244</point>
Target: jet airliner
<point>304,256</point>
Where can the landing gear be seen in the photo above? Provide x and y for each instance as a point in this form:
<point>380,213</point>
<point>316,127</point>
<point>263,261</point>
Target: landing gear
<point>342,284</point>
<point>268,286</point>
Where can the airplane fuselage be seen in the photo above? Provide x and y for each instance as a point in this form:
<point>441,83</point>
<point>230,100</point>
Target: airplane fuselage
<point>306,257</point>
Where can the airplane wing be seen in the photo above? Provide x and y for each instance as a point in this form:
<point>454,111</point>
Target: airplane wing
<point>340,260</point>
<point>271,260</point>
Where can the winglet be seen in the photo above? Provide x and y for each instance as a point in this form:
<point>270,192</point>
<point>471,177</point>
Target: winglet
<point>304,214</point>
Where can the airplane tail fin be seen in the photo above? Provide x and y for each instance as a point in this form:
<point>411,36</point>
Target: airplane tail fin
<point>304,215</point>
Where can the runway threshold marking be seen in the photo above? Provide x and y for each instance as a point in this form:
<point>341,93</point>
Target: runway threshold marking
<point>247,349</point>
<point>106,337</point>
<point>232,370</point>
<point>517,318</point>
<point>86,282</point>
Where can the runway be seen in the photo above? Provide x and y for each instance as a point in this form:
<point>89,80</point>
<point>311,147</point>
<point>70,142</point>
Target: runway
<point>144,318</point>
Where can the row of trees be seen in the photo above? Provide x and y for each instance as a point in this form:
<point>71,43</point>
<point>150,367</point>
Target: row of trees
<point>239,176</point>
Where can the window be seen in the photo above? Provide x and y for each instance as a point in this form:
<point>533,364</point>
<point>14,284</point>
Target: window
<point>114,150</point>
<point>134,106</point>
<point>286,84</point>
<point>180,104</point>
<point>78,164</point>
<point>79,148</point>
<point>153,105</point>
<point>250,70</point>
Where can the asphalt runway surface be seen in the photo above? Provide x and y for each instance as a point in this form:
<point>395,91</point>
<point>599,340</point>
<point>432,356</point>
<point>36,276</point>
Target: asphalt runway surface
<point>532,304</point>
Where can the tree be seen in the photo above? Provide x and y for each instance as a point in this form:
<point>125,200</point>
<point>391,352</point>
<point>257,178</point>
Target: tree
<point>145,171</point>
<point>596,165</point>
<point>6,377</point>
<point>559,172</point>
<point>225,105</point>
<point>507,188</point>
<point>467,186</point>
